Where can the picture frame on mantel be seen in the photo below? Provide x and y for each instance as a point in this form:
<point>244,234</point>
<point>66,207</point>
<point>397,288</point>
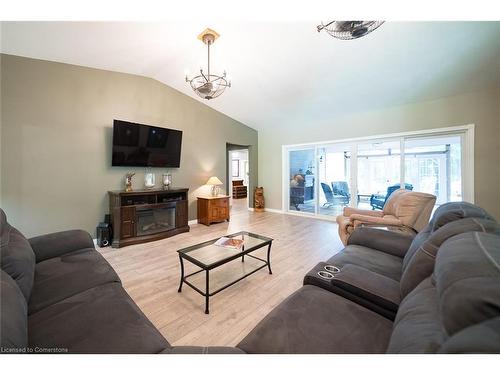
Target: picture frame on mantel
<point>235,168</point>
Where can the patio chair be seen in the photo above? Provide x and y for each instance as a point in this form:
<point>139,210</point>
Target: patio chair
<point>378,201</point>
<point>296,196</point>
<point>341,190</point>
<point>331,198</point>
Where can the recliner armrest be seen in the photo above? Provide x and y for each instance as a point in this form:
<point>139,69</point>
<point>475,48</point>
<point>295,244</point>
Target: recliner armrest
<point>348,211</point>
<point>56,244</point>
<point>359,219</point>
<point>389,242</point>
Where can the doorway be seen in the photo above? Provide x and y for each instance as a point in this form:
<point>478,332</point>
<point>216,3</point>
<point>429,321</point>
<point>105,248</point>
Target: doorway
<point>238,177</point>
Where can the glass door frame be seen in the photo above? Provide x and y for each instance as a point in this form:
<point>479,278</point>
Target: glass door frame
<point>466,133</point>
<point>286,179</point>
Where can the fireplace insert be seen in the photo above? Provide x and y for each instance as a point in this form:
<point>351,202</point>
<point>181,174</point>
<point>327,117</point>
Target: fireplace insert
<point>155,220</point>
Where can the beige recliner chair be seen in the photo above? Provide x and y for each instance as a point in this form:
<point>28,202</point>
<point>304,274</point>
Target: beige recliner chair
<point>404,208</point>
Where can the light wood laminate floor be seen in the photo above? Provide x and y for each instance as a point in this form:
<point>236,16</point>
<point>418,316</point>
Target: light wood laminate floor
<point>150,274</point>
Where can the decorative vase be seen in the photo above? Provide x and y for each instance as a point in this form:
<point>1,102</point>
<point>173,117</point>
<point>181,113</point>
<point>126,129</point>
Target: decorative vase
<point>149,180</point>
<point>167,180</point>
<point>258,199</point>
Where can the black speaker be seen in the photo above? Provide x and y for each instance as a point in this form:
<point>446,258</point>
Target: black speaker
<point>103,234</point>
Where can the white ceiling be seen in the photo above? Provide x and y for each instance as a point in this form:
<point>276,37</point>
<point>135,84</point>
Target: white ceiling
<point>282,73</point>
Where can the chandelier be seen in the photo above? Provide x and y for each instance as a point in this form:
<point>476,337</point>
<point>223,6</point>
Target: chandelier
<point>208,86</point>
<point>347,30</point>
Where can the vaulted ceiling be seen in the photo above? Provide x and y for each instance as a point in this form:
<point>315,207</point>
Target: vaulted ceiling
<point>282,73</point>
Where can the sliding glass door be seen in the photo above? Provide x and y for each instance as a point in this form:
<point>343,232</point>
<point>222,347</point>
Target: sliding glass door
<point>324,178</point>
<point>302,180</point>
<point>378,169</point>
<point>433,165</point>
<point>334,171</point>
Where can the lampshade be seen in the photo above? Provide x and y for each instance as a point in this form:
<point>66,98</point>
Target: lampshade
<point>214,181</point>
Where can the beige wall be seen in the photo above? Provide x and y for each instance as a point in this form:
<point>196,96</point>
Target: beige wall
<point>56,141</point>
<point>481,109</point>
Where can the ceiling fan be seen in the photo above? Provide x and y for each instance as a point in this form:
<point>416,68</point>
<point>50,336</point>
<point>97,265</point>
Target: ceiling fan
<point>347,30</point>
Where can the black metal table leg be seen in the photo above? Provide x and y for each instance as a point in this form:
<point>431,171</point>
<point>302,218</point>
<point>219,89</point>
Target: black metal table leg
<point>182,274</point>
<point>207,292</point>
<point>269,258</point>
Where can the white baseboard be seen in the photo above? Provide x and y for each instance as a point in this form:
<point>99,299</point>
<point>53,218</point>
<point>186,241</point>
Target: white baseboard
<point>276,211</point>
<point>192,222</point>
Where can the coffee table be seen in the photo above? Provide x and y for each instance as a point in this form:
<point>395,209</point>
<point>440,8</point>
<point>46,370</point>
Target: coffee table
<point>208,256</point>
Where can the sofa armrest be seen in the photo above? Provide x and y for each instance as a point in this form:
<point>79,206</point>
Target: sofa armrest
<point>387,241</point>
<point>202,350</point>
<point>56,244</point>
<point>359,219</point>
<point>348,211</point>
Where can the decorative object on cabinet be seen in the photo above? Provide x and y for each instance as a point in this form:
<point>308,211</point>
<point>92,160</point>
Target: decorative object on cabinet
<point>149,180</point>
<point>259,203</point>
<point>167,180</point>
<point>128,181</point>
<point>213,209</point>
<point>214,182</point>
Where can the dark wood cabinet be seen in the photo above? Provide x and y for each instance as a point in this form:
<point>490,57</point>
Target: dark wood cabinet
<point>147,215</point>
<point>239,190</point>
<point>127,224</point>
<point>181,214</point>
<point>213,209</point>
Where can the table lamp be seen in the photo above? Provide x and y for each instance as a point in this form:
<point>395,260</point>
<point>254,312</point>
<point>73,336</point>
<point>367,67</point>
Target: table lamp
<point>215,182</point>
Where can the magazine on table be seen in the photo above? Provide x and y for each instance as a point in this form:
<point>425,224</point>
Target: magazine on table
<point>230,243</point>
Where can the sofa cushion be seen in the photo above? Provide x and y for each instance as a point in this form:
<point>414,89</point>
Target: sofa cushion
<point>371,259</point>
<point>413,208</point>
<point>314,320</point>
<point>421,264</point>
<point>458,210</point>
<point>100,320</point>
<point>467,277</point>
<point>13,315</point>
<point>17,257</point>
<point>388,241</point>
<point>444,214</point>
<point>63,276</point>
<point>480,338</point>
<point>417,327</point>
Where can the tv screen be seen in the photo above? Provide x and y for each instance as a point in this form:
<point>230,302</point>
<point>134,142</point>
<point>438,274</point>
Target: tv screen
<point>137,145</point>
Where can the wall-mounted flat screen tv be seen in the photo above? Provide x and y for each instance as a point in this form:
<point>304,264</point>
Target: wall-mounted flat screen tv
<point>138,145</point>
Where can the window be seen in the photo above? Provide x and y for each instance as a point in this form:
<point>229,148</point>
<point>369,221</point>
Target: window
<point>324,178</point>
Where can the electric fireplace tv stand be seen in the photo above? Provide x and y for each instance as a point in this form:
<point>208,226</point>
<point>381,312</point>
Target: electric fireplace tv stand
<point>147,215</point>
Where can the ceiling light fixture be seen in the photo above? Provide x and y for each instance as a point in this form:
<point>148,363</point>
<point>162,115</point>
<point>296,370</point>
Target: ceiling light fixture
<point>347,30</point>
<point>208,86</point>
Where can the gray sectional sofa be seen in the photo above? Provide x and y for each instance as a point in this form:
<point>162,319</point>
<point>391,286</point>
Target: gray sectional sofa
<point>437,292</point>
<point>59,295</point>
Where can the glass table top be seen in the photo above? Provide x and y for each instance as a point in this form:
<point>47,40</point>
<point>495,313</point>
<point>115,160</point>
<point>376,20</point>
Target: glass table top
<point>206,253</point>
